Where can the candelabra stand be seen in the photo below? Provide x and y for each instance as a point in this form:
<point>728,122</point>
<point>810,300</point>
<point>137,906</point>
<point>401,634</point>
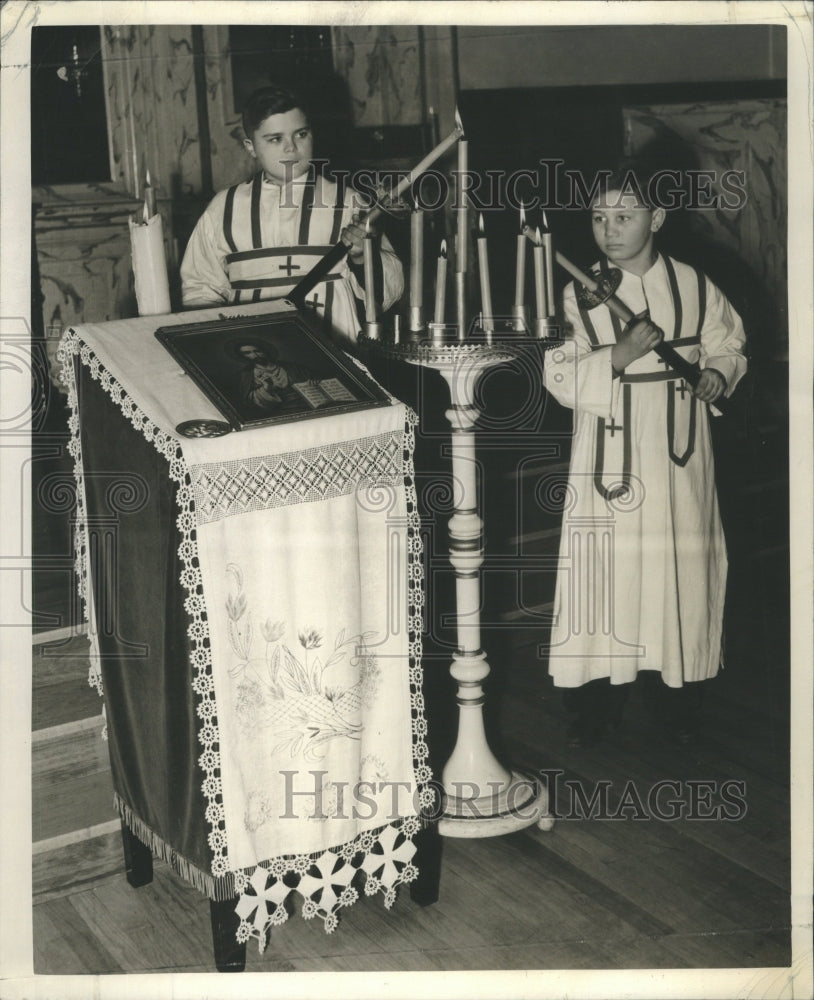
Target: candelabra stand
<point>482,798</point>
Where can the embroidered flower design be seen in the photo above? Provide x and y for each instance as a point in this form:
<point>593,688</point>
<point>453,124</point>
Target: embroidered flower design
<point>310,639</point>
<point>273,631</point>
<point>258,811</point>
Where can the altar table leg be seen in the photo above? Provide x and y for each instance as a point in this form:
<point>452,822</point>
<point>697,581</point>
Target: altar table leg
<point>230,956</point>
<point>138,859</point>
<point>425,889</point>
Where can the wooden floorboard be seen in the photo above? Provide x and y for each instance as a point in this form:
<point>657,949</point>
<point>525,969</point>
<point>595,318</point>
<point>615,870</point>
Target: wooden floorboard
<point>76,866</point>
<point>82,800</point>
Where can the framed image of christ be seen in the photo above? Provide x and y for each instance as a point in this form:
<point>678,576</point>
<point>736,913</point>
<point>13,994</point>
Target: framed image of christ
<point>270,369</point>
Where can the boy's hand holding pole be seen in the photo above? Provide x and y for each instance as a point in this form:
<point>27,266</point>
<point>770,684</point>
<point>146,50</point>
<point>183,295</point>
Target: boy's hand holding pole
<point>707,384</point>
<point>353,237</point>
<point>638,338</point>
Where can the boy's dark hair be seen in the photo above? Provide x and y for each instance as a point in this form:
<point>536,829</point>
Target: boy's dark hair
<point>270,101</point>
<point>631,176</point>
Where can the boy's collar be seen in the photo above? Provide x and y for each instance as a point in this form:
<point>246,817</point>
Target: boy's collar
<point>608,263</point>
<point>306,178</point>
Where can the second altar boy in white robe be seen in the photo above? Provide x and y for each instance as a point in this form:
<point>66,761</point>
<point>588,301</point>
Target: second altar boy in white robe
<point>642,566</point>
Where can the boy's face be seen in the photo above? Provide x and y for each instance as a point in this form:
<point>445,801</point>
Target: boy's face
<point>624,228</point>
<point>283,145</point>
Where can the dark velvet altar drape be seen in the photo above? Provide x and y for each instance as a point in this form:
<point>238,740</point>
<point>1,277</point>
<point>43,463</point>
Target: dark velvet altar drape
<point>146,671</point>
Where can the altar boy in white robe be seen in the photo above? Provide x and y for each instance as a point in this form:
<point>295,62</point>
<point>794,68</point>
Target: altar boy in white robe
<point>642,568</point>
<point>257,239</point>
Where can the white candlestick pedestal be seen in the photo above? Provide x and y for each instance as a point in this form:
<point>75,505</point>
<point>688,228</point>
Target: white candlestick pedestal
<point>482,797</point>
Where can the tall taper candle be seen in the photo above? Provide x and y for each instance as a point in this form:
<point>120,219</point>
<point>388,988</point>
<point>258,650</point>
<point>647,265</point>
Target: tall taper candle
<point>462,246</point>
<point>368,246</point>
<point>441,284</point>
<point>541,297</point>
<point>416,268</point>
<point>520,272</point>
<point>549,268</point>
<point>485,284</point>
<point>460,304</point>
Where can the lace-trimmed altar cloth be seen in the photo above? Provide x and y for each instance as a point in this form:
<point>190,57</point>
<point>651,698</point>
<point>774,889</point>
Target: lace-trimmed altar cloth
<point>300,578</point>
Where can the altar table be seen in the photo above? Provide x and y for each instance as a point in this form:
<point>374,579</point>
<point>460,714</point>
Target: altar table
<point>254,607</point>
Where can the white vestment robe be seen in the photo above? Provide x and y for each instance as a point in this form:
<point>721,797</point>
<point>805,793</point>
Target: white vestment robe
<point>256,240</point>
<point>642,566</point>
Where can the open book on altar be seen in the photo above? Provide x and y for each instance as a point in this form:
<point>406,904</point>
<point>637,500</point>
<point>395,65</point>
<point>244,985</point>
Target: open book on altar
<point>323,392</point>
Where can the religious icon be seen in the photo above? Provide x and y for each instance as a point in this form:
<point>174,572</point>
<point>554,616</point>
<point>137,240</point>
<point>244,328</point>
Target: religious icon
<point>271,368</point>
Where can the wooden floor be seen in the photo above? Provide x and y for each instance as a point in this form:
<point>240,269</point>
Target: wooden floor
<point>593,893</point>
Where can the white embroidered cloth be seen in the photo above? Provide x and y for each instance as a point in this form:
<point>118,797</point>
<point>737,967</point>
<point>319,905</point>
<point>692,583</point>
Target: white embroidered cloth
<point>302,537</point>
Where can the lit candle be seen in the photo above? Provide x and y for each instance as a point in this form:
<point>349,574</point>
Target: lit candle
<point>462,248</point>
<point>435,135</point>
<point>549,268</point>
<point>539,276</point>
<point>416,268</point>
<point>370,291</point>
<point>441,284</point>
<point>149,194</point>
<point>149,266</point>
<point>520,273</point>
<point>485,286</point>
<point>460,298</point>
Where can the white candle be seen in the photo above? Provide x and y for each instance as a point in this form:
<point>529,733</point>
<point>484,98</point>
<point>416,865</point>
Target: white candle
<point>520,272</point>
<point>417,259</point>
<point>539,276</point>
<point>460,302</point>
<point>549,269</point>
<point>462,247</point>
<point>150,266</point>
<point>370,290</point>
<point>441,284</point>
<point>485,285</point>
<point>149,195</point>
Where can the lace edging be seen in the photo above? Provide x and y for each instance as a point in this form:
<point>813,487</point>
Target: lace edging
<point>386,868</point>
<point>67,350</point>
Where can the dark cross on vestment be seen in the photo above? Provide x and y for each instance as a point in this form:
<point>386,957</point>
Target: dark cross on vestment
<point>682,387</point>
<point>317,305</point>
<point>613,427</point>
<point>288,267</point>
